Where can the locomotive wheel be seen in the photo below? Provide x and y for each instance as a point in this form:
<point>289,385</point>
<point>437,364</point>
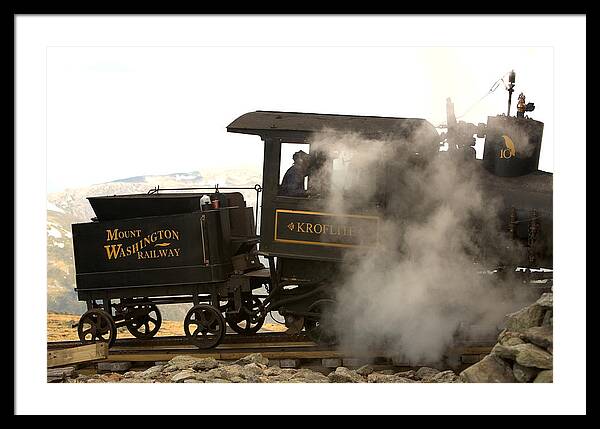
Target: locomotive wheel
<point>244,323</point>
<point>204,326</point>
<point>145,322</point>
<point>97,325</point>
<point>320,330</point>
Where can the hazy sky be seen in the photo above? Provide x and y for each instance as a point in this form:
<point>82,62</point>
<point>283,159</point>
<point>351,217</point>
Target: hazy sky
<point>116,112</point>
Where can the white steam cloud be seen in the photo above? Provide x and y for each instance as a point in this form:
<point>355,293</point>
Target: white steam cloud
<point>411,294</point>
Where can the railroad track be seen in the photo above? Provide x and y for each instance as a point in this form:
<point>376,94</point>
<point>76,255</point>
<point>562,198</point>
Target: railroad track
<point>274,346</point>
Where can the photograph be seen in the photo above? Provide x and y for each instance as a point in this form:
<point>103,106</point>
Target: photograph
<point>300,210</point>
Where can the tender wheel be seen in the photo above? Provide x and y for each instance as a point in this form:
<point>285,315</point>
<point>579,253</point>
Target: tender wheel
<point>320,330</point>
<point>97,325</point>
<point>244,322</point>
<point>204,326</point>
<point>144,320</point>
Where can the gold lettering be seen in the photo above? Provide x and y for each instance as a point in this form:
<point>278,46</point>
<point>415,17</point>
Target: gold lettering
<point>320,228</point>
<point>112,250</point>
<point>175,235</point>
<point>309,227</point>
<point>111,235</point>
<point>299,227</point>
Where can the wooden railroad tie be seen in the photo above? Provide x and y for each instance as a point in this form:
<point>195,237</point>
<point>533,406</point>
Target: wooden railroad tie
<point>87,353</point>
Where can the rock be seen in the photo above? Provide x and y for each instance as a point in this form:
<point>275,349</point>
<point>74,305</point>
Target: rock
<point>309,376</point>
<point>252,358</point>
<point>94,380</point>
<point>547,318</point>
<point>249,379</point>
<point>111,378</point>
<point>545,300</point>
<point>137,380</point>
<point>539,335</point>
<point>58,375</point>
<point>81,378</point>
<point>364,370</point>
<point>531,355</point>
<point>281,376</point>
<point>182,362</point>
<point>381,378</point>
<point>505,352</point>
<point>524,374</point>
<point>224,372</point>
<point>491,369</point>
<point>217,380</point>
<point>251,369</point>
<point>544,377</point>
<point>425,372</point>
<point>192,380</point>
<point>345,375</point>
<point>404,380</point>
<point>387,372</point>
<point>113,366</point>
<point>130,374</point>
<point>525,318</point>
<point>444,377</point>
<point>410,374</point>
<point>152,372</point>
<point>272,371</point>
<point>510,338</point>
<point>181,376</point>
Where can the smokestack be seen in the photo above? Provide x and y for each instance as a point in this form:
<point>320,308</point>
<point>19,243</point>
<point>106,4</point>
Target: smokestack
<point>511,85</point>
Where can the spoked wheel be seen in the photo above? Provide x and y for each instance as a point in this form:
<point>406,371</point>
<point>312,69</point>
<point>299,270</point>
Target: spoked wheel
<point>144,320</point>
<point>245,322</point>
<point>97,325</point>
<point>204,326</point>
<point>320,330</point>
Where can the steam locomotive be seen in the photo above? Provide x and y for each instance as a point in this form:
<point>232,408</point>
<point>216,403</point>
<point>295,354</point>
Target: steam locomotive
<point>201,246</point>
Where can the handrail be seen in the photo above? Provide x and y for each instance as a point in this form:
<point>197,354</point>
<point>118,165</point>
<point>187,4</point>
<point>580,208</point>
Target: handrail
<point>217,189</point>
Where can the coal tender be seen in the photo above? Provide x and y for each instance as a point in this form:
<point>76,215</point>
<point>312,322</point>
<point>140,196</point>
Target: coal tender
<point>163,248</point>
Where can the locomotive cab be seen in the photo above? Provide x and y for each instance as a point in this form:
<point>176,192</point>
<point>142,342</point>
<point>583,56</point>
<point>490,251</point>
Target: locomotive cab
<point>325,219</point>
<point>306,234</point>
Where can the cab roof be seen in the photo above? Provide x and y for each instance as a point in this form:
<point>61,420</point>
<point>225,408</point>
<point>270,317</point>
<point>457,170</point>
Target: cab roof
<point>263,123</point>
